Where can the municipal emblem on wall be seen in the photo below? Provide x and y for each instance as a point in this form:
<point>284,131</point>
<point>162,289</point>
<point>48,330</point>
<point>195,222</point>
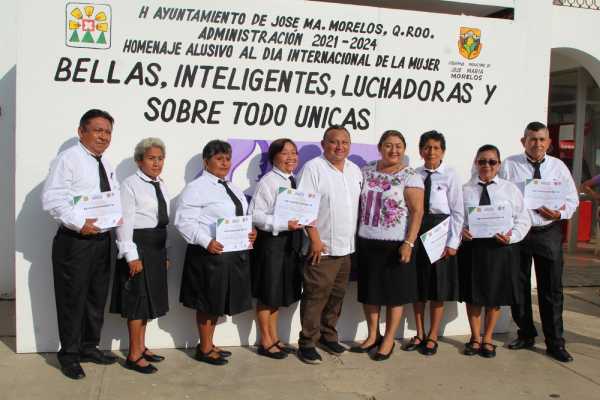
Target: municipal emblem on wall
<point>469,42</point>
<point>88,25</point>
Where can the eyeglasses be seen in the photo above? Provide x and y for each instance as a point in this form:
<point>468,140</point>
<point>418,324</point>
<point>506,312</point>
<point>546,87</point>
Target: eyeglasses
<point>483,162</point>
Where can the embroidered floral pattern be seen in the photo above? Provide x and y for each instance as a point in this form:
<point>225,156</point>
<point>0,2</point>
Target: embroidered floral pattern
<point>382,200</point>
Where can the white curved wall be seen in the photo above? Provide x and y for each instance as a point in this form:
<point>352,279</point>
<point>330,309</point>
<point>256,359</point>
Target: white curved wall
<point>8,60</point>
<point>526,100</point>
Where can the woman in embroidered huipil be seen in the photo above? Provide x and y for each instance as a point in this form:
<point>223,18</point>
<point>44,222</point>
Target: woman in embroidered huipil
<point>390,217</point>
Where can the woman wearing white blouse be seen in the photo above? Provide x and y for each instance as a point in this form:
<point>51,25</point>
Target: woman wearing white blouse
<point>214,283</point>
<point>489,268</point>
<point>437,282</point>
<point>140,284</point>
<point>276,258</point>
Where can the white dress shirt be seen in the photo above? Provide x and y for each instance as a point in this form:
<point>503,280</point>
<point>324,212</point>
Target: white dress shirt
<point>383,211</point>
<point>140,211</point>
<point>203,201</point>
<point>338,208</point>
<point>517,169</point>
<point>502,192</point>
<point>262,205</point>
<point>446,198</point>
<point>74,172</point>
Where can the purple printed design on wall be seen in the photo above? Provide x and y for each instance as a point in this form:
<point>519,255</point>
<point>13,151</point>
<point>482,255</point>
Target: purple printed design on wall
<point>250,159</point>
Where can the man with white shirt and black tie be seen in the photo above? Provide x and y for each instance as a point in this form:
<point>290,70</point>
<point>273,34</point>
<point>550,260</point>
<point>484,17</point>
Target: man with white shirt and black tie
<point>81,252</point>
<point>327,271</point>
<point>543,244</point>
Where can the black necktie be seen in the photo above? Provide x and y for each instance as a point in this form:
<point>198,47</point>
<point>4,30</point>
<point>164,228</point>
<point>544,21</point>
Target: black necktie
<point>104,184</point>
<point>427,192</point>
<point>484,200</point>
<point>163,217</point>
<point>239,210</point>
<point>536,168</point>
<point>293,181</point>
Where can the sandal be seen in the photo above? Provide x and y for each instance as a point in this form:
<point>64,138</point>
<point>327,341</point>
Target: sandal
<point>485,350</point>
<point>471,350</point>
<point>413,345</point>
<point>134,366</point>
<point>276,355</point>
<point>360,349</point>
<point>285,348</point>
<point>206,357</point>
<point>151,357</point>
<point>429,351</point>
<point>223,353</point>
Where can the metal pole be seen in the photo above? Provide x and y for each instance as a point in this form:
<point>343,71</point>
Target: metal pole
<point>580,104</point>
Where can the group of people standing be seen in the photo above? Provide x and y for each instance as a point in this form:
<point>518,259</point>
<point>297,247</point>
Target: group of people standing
<point>377,212</point>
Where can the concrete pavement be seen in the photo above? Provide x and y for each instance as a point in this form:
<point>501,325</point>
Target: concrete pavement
<point>525,374</point>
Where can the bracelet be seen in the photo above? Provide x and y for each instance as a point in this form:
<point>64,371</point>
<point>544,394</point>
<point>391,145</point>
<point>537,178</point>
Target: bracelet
<point>411,244</point>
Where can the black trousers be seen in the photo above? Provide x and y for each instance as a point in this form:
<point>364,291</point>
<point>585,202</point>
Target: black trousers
<point>81,267</point>
<point>544,247</point>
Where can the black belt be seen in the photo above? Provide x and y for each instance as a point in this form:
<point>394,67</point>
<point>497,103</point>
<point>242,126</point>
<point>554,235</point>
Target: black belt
<point>66,231</point>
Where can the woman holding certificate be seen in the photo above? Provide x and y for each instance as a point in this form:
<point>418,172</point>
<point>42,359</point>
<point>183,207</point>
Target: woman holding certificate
<point>438,280</point>
<point>489,256</point>
<point>390,216</point>
<point>276,259</point>
<point>215,281</point>
<point>140,285</point>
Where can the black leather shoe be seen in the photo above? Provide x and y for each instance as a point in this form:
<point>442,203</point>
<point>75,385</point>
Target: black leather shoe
<point>413,345</point>
<point>309,355</point>
<point>359,349</point>
<point>521,343</point>
<point>487,350</point>
<point>276,355</point>
<point>470,349</point>
<point>73,371</point>
<point>206,357</point>
<point>428,351</point>
<point>97,357</point>
<point>382,357</point>
<point>223,353</point>
<point>133,365</point>
<point>559,353</point>
<point>152,357</point>
<point>285,348</point>
<point>331,347</point>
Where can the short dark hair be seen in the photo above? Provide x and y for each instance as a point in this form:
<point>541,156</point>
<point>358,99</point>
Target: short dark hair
<point>277,146</point>
<point>215,147</point>
<point>432,135</point>
<point>488,147</point>
<point>389,133</point>
<point>95,113</point>
<point>335,127</point>
<point>534,126</point>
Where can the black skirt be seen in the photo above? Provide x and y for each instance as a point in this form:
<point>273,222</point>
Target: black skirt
<point>382,279</point>
<point>489,273</point>
<point>145,296</point>
<point>438,281</point>
<point>216,284</point>
<point>277,268</point>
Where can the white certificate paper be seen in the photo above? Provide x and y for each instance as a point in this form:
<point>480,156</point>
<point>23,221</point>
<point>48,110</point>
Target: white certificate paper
<point>293,204</point>
<point>105,207</point>
<point>487,221</point>
<point>233,232</point>
<point>434,240</point>
<point>543,193</point>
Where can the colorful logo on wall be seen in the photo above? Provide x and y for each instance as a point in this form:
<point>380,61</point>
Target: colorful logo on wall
<point>469,42</point>
<point>88,25</point>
